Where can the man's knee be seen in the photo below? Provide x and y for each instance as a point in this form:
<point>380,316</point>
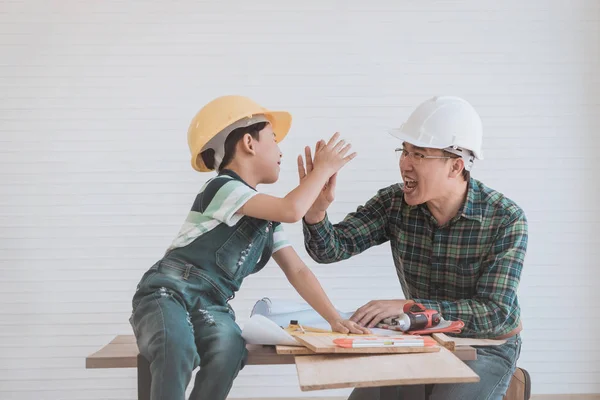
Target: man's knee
<point>494,365</point>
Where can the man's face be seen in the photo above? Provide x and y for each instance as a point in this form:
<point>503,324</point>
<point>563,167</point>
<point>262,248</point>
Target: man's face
<point>424,179</point>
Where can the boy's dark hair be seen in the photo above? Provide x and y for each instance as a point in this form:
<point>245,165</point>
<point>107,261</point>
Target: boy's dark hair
<point>208,156</point>
<point>465,174</point>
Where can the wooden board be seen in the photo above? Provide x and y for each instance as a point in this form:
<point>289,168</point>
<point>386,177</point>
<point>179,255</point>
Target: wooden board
<point>444,340</point>
<point>451,342</point>
<point>266,355</point>
<point>294,350</point>
<point>123,339</point>
<point>122,352</point>
<point>335,371</point>
<point>303,350</point>
<point>324,344</point>
<point>465,353</point>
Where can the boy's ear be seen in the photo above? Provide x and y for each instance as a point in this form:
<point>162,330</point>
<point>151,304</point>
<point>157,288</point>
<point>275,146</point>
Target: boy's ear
<point>247,143</point>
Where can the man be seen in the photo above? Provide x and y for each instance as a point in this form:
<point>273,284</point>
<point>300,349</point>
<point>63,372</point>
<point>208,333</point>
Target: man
<point>458,246</point>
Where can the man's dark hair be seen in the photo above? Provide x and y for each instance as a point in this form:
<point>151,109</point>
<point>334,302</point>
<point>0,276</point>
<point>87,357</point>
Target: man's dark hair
<point>208,156</point>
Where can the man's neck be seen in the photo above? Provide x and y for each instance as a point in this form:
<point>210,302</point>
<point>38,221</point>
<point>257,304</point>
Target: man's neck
<point>448,206</point>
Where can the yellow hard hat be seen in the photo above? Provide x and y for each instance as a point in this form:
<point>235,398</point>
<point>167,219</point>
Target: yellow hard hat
<point>213,123</point>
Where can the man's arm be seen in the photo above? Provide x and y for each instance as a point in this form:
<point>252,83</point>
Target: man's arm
<point>493,311</point>
<point>364,228</point>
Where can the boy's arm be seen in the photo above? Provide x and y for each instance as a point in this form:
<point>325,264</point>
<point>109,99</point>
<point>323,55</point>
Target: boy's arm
<point>307,285</point>
<point>293,206</point>
<point>329,159</point>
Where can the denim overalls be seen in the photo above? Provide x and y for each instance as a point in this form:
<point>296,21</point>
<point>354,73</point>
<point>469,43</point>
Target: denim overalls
<point>181,316</point>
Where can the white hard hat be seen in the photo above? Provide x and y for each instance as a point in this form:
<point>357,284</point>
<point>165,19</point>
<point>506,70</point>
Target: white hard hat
<point>445,122</point>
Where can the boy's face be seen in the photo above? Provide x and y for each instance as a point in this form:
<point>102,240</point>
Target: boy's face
<point>269,155</point>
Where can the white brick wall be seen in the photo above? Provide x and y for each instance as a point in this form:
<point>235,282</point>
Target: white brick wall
<point>95,177</point>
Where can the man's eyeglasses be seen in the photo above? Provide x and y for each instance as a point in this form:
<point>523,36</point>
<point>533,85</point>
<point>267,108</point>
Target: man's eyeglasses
<point>415,156</point>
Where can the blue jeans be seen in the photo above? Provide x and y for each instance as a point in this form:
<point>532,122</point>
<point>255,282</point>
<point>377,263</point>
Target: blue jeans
<point>180,323</point>
<point>495,366</point>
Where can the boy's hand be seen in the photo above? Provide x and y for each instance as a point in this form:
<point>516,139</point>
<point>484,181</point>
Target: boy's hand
<point>317,211</point>
<point>347,326</point>
<point>331,156</point>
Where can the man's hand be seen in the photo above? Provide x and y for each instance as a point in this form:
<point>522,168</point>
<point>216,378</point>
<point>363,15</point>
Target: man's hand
<point>317,211</point>
<point>347,326</point>
<point>375,311</point>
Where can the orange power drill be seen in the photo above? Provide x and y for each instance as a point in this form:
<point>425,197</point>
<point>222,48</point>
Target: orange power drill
<point>416,317</point>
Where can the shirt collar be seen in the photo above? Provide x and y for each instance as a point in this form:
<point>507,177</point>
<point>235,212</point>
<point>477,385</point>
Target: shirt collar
<point>228,172</point>
<point>471,208</point>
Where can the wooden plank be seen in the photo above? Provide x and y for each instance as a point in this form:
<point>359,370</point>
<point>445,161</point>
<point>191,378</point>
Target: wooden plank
<point>465,353</point>
<point>295,350</point>
<point>324,344</point>
<point>123,339</point>
<point>335,371</point>
<point>477,342</point>
<point>450,342</point>
<point>267,355</point>
<point>444,340</point>
<point>114,355</point>
<point>122,352</point>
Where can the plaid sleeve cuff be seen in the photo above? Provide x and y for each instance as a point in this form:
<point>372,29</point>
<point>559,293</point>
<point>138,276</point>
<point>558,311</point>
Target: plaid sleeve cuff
<point>318,231</point>
<point>320,242</point>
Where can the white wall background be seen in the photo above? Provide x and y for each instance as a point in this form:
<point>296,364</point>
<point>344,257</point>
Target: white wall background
<point>95,179</point>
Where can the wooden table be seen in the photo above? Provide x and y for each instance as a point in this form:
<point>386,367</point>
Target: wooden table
<point>317,372</point>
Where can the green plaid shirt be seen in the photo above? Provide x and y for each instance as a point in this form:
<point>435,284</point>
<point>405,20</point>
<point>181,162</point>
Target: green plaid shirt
<point>468,269</point>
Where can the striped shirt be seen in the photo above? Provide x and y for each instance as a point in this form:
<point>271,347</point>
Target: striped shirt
<point>217,203</point>
<point>469,269</point>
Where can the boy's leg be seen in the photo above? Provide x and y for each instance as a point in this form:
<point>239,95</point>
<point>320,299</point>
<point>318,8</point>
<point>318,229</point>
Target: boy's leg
<point>165,337</point>
<point>222,353</point>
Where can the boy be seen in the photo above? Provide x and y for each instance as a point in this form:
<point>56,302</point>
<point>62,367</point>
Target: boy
<point>181,314</point>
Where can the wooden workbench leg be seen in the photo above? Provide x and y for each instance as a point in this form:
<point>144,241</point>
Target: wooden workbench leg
<point>144,378</point>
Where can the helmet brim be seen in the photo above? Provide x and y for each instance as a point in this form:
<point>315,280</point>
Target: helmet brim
<point>398,133</point>
<point>281,122</point>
